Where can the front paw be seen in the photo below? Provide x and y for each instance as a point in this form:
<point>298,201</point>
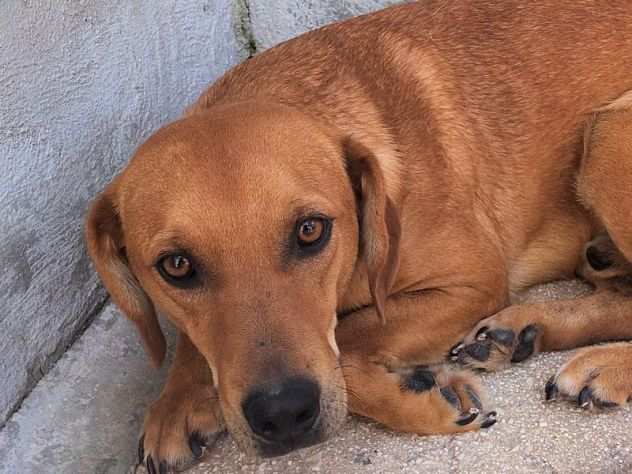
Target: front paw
<point>596,377</point>
<point>498,341</point>
<point>178,427</point>
<point>455,397</point>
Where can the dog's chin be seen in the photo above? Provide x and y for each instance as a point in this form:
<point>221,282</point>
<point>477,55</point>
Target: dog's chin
<point>256,447</point>
<point>272,450</point>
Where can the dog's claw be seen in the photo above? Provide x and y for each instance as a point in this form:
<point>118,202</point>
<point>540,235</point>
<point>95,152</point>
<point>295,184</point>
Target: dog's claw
<point>550,390</point>
<point>454,352</point>
<point>162,469</point>
<point>151,468</point>
<point>481,335</point>
<point>468,417</point>
<point>584,399</point>
<point>490,420</point>
<point>195,443</point>
<point>141,449</point>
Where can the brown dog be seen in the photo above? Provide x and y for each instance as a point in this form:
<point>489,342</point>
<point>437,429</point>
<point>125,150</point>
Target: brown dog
<point>335,214</point>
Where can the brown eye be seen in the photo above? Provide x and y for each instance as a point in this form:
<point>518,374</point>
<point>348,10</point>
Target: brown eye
<point>312,235</point>
<point>176,268</point>
<point>310,231</point>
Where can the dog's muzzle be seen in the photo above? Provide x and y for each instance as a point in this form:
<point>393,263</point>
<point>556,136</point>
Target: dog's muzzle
<point>284,416</point>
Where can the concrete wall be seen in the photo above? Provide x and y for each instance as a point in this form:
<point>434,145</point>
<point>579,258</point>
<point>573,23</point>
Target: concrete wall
<point>274,21</point>
<point>82,83</point>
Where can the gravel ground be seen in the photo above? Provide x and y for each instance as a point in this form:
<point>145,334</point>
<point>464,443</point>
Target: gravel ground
<point>84,417</point>
<point>531,436</point>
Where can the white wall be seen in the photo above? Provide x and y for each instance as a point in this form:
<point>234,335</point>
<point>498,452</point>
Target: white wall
<point>82,83</point>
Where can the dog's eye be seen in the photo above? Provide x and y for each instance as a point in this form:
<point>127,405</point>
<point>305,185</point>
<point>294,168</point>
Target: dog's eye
<point>313,233</point>
<point>310,231</point>
<point>176,269</point>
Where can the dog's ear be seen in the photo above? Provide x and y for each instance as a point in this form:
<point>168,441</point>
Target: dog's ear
<point>106,246</point>
<point>380,228</point>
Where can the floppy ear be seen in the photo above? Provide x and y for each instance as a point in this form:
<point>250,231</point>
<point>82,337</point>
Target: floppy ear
<point>380,228</point>
<point>106,246</point>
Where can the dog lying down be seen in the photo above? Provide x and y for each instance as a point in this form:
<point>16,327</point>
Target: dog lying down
<point>338,224</point>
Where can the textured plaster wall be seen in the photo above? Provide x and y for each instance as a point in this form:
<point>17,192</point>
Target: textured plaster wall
<point>274,21</point>
<point>82,83</point>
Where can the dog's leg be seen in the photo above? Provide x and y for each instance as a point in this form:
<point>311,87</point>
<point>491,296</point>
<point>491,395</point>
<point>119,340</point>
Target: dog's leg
<point>395,372</point>
<point>519,331</point>
<point>185,418</point>
<point>600,375</point>
<point>596,377</point>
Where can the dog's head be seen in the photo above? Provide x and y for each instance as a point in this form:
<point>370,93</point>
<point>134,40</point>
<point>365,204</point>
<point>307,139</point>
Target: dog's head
<point>243,226</point>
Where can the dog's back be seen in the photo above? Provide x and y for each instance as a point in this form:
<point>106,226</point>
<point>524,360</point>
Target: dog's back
<point>481,92</point>
<point>418,163</point>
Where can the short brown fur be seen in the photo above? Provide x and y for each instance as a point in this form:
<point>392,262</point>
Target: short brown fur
<point>465,150</point>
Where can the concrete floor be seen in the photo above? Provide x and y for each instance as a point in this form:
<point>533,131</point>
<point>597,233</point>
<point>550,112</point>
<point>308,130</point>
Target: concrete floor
<point>84,417</point>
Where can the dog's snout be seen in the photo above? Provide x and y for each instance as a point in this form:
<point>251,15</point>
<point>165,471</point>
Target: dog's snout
<point>284,413</point>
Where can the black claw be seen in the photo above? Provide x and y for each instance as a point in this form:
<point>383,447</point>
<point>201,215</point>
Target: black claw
<point>162,469</point>
<point>550,389</point>
<point>473,396</point>
<point>478,351</point>
<point>141,449</point>
<point>150,465</point>
<point>467,418</point>
<point>420,380</point>
<point>526,340</point>
<point>584,400</point>
<point>450,395</point>
<point>502,336</point>
<point>481,332</point>
<point>454,352</point>
<point>489,420</point>
<point>195,443</point>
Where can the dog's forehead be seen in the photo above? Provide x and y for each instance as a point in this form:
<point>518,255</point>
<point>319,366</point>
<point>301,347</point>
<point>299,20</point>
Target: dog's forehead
<point>212,174</point>
<point>236,149</point>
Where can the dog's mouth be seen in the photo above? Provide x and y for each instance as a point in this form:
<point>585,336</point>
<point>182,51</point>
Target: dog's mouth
<point>270,449</point>
<point>275,420</point>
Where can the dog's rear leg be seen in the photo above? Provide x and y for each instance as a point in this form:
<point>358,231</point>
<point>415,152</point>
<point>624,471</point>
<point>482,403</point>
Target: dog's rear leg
<point>598,376</point>
<point>185,418</point>
<point>395,373</point>
<point>602,376</point>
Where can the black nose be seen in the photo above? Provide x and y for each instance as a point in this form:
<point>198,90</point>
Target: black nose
<point>596,259</point>
<point>286,412</point>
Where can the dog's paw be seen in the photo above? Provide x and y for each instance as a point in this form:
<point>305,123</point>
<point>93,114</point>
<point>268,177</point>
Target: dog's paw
<point>438,399</point>
<point>178,428</point>
<point>498,341</point>
<point>596,377</point>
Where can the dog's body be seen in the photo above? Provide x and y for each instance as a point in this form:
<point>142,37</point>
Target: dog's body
<point>461,151</point>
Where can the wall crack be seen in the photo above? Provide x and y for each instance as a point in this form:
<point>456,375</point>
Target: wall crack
<point>244,27</point>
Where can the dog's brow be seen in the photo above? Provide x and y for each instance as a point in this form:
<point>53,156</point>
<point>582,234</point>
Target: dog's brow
<point>166,240</point>
<point>314,205</point>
